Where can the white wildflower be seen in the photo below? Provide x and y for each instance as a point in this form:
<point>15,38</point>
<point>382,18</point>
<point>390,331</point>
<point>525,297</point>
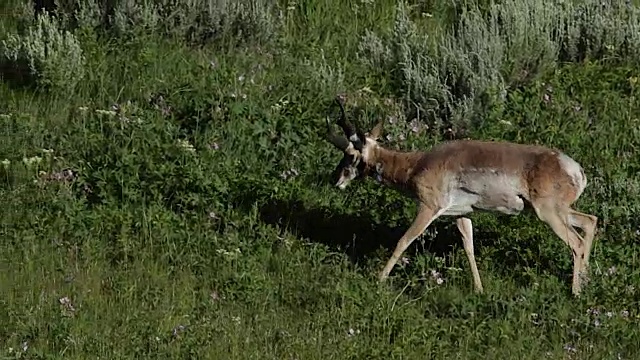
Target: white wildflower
<point>186,145</point>
<point>353,332</point>
<point>106,112</point>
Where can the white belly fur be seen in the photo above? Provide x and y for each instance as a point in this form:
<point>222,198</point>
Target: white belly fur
<point>484,190</point>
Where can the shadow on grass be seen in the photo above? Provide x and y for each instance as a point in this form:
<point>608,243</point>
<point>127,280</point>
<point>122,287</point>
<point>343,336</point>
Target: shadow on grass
<point>357,235</point>
<point>16,75</point>
<point>360,237</point>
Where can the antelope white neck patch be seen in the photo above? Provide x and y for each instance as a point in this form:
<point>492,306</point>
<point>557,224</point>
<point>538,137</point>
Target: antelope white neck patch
<point>378,173</point>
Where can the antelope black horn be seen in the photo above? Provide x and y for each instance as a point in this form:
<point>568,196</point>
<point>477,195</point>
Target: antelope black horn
<point>338,141</point>
<point>348,128</point>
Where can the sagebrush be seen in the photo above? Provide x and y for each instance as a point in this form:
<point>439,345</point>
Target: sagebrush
<point>455,76</point>
<point>54,56</point>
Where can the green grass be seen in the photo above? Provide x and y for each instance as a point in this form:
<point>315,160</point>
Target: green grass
<point>243,249</point>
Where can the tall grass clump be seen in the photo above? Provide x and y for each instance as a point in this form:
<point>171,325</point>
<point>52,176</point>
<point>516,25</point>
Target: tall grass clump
<point>46,53</point>
<point>453,77</point>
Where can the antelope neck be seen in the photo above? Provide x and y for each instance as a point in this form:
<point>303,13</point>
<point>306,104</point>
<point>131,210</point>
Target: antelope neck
<point>392,166</point>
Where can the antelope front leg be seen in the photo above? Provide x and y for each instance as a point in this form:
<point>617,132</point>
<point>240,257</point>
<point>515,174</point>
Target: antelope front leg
<point>425,216</point>
<point>466,229</point>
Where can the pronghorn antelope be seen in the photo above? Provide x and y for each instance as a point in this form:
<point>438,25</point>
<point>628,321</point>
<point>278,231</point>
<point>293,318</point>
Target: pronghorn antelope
<point>458,177</point>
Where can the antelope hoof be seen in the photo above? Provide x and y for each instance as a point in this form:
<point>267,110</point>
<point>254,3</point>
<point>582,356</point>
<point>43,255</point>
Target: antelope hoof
<point>576,291</point>
<point>584,277</point>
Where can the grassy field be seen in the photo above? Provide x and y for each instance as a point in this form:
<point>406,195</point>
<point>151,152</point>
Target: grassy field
<point>167,195</point>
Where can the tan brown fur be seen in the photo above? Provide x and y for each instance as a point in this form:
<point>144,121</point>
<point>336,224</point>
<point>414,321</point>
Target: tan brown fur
<point>538,166</point>
<point>459,177</point>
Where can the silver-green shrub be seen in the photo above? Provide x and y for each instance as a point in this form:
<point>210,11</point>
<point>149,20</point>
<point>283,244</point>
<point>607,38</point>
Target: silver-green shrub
<point>53,55</point>
<point>596,29</point>
<point>201,20</point>
<point>196,20</point>
<point>473,63</point>
<point>88,14</point>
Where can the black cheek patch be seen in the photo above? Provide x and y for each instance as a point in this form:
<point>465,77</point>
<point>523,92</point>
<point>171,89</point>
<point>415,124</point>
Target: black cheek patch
<point>362,169</point>
<point>343,164</point>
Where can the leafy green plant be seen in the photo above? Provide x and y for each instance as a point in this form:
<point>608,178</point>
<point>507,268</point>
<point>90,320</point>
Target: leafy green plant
<point>182,208</point>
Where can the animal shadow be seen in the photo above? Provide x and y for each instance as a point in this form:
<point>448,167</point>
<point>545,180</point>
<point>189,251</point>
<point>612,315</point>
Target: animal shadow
<point>359,236</point>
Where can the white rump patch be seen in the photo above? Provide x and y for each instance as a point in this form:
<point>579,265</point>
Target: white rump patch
<point>574,170</point>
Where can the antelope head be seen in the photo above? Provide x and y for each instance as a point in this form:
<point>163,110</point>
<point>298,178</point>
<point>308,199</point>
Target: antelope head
<point>357,148</point>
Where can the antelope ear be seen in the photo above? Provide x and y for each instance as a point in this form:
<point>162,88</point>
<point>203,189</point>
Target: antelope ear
<point>376,131</point>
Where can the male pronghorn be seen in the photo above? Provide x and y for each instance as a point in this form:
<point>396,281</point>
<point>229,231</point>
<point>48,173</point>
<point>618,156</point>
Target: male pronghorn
<point>458,177</point>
